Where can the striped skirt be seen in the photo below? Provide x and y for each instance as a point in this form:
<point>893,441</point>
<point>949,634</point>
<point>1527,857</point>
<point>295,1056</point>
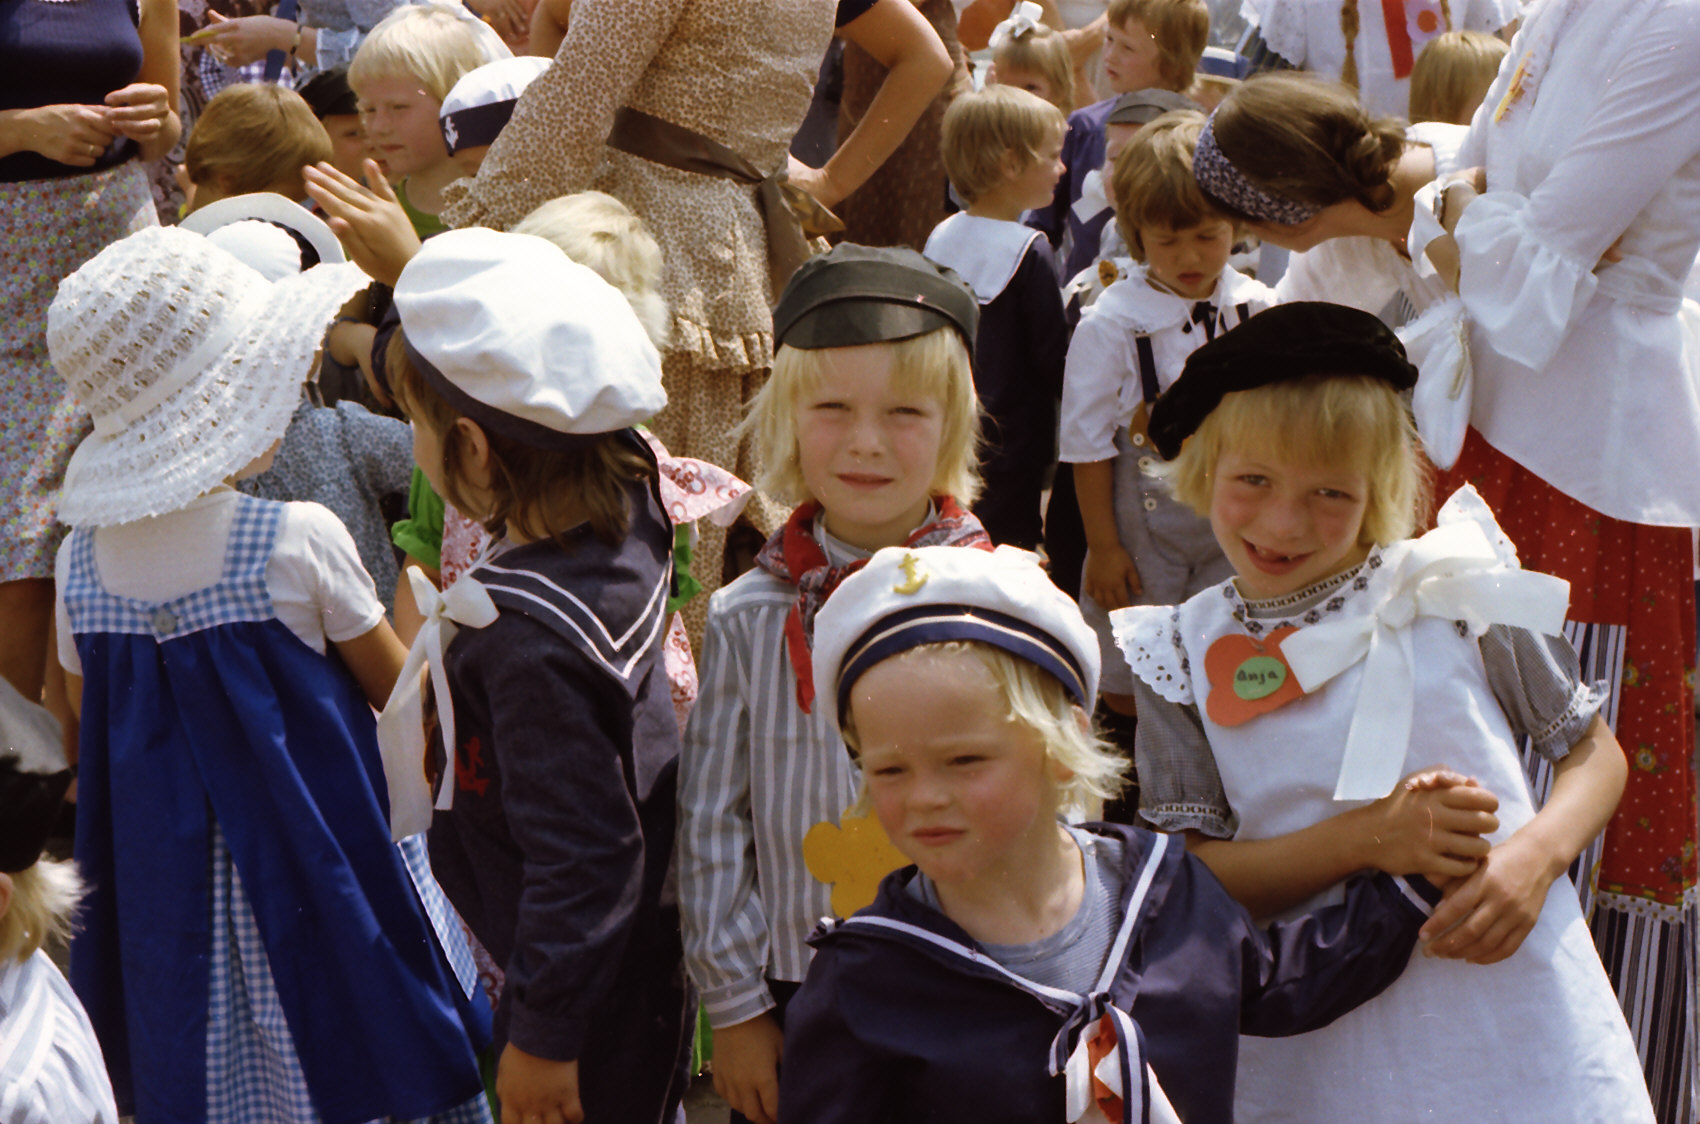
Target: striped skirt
<point>1632,622</point>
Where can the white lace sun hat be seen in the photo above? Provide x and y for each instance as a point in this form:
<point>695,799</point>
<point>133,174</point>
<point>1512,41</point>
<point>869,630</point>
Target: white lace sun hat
<point>189,362</point>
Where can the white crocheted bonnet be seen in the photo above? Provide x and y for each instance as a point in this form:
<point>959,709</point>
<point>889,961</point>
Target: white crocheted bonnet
<point>189,362</point>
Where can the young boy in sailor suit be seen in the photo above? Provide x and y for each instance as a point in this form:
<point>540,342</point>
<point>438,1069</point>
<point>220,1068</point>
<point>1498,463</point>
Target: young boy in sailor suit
<point>1023,966</point>
<point>1000,148</point>
<point>1143,548</point>
<point>562,744</point>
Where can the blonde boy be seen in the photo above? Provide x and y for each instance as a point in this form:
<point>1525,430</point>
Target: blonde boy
<point>401,74</point>
<point>1001,148</point>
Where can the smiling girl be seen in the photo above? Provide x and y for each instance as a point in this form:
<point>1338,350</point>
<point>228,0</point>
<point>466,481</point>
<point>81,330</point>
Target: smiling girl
<point>1279,709</point>
<point>869,422</point>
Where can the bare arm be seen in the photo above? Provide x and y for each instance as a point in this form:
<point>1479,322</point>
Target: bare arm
<point>1110,578</point>
<point>549,27</point>
<point>375,657</point>
<point>152,123</point>
<point>901,40</point>
<point>1490,913</point>
<point>1412,830</point>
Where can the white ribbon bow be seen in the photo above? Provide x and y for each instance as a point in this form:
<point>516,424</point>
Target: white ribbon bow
<point>401,726</point>
<point>1454,573</point>
<point>1023,21</point>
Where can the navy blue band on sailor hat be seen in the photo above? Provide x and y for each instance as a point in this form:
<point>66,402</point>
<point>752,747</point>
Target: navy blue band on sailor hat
<point>906,597</point>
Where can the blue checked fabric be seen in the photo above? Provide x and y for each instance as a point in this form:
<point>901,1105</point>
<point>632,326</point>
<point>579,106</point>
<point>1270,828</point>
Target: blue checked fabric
<point>241,594</point>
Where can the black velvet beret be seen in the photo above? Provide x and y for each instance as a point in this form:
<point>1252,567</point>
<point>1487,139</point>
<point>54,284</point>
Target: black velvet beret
<point>1280,344</point>
<point>872,294</point>
<point>29,807</point>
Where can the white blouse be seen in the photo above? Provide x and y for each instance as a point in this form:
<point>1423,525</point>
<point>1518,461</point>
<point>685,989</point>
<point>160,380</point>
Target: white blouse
<point>1583,372</point>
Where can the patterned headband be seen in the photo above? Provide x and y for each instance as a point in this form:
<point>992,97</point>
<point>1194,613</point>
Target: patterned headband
<point>1218,178</point>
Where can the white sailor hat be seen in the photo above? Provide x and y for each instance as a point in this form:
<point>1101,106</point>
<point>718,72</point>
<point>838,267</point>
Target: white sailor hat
<point>908,596</point>
<point>524,340</point>
<point>479,105</point>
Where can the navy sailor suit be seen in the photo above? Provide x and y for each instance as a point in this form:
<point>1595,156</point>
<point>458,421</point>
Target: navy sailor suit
<point>558,848</point>
<point>903,1018</point>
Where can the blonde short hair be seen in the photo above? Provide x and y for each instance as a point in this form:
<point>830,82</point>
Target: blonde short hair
<point>1450,76</point>
<point>255,137</point>
<point>1322,419</point>
<point>934,364</point>
<point>1180,28</point>
<point>431,42</point>
<point>44,905</point>
<point>1152,184</point>
<point>1038,701</point>
<point>598,231</point>
<point>984,128</point>
<point>1042,51</point>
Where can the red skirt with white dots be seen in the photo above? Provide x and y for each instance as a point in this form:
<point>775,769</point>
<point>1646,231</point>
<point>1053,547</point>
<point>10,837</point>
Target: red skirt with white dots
<point>1632,621</point>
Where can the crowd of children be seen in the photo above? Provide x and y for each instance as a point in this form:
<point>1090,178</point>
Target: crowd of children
<point>1119,727</point>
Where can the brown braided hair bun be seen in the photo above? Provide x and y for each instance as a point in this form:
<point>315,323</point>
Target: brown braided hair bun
<point>1309,140</point>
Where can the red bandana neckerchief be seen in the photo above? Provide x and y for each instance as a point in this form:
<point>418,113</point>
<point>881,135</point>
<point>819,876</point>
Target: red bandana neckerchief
<point>793,555</point>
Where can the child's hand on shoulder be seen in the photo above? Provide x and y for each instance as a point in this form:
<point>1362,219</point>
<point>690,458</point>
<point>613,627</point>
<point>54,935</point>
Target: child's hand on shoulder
<point>1432,823</point>
<point>535,1090</point>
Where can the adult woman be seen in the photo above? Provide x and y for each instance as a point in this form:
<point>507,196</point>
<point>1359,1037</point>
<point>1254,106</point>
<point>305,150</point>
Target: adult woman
<point>668,75</point>
<point>1585,420</point>
<point>88,90</point>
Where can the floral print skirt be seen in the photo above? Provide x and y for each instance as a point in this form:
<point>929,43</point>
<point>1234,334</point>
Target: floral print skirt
<point>48,229</point>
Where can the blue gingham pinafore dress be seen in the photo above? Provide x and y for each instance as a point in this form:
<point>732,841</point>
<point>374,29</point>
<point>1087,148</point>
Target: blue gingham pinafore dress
<point>254,947</point>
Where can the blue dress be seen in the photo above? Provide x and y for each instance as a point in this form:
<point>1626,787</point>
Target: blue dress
<point>254,947</point>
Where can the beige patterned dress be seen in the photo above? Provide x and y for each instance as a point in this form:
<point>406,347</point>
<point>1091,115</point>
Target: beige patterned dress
<point>738,71</point>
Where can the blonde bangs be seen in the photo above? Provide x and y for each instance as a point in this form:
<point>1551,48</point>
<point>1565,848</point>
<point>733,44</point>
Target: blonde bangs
<point>1332,420</point>
<point>934,365</point>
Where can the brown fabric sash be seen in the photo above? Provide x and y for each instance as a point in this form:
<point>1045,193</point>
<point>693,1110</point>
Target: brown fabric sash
<point>791,215</point>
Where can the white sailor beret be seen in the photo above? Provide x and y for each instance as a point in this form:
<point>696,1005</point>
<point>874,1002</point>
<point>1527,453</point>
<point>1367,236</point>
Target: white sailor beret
<point>524,340</point>
<point>908,596</point>
<point>479,105</point>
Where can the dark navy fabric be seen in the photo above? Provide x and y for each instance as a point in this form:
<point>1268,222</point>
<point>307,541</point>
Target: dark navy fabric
<point>558,850</point>
<point>241,722</point>
<point>65,54</point>
<point>889,1027</point>
<point>1019,355</point>
<point>851,9</point>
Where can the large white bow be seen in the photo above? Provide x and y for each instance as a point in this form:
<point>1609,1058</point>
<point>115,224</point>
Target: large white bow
<point>401,726</point>
<point>1454,573</point>
<point>1023,21</point>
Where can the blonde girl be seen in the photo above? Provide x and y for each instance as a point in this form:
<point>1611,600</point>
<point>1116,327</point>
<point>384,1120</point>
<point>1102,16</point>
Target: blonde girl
<point>868,425</point>
<point>1279,710</point>
<point>1452,76</point>
<point>1030,56</point>
<point>253,942</point>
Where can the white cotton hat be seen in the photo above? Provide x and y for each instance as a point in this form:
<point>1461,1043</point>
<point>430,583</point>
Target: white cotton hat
<point>483,100</point>
<point>525,341</point>
<point>908,596</point>
<point>189,362</point>
<point>270,232</point>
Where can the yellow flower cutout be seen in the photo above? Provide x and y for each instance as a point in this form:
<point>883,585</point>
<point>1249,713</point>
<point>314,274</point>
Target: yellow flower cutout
<point>851,856</point>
